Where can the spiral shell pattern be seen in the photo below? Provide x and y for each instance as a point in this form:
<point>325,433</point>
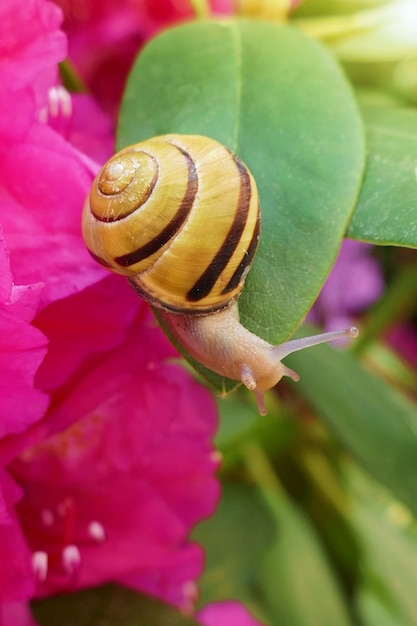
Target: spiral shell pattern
<point>179,215</point>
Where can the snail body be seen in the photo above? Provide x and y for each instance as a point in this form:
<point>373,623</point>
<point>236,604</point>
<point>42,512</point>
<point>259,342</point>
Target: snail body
<point>179,216</point>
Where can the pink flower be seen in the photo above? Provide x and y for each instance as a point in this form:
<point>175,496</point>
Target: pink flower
<point>42,177</point>
<point>16,576</point>
<point>226,614</point>
<point>22,348</point>
<point>28,58</point>
<point>403,338</point>
<point>123,484</point>
<point>81,122</point>
<point>16,614</point>
<point>106,483</point>
<point>105,38</point>
<point>42,182</point>
<point>354,283</point>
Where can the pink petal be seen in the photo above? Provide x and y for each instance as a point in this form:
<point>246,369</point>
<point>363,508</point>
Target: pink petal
<point>175,582</point>
<point>403,339</point>
<point>354,283</point>
<point>42,214</point>
<point>17,109</point>
<point>85,324</point>
<point>16,577</point>
<point>105,39</point>
<point>226,614</point>
<point>16,614</point>
<point>22,348</point>
<point>91,130</point>
<point>6,277</point>
<point>129,413</point>
<point>31,43</point>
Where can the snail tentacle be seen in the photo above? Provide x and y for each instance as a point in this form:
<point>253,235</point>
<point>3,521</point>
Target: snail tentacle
<point>247,377</point>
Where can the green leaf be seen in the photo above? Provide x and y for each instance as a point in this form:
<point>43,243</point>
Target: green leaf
<point>298,581</point>
<point>376,423</point>
<point>374,611</point>
<point>109,605</point>
<point>314,8</point>
<point>238,421</point>
<point>234,539</point>
<point>262,551</point>
<point>280,101</point>
<point>386,212</point>
<point>388,540</point>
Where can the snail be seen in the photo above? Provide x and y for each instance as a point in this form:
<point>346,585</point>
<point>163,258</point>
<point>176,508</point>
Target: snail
<point>179,216</point>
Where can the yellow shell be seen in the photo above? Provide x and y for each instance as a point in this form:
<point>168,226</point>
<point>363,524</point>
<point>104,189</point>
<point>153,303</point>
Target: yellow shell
<point>179,215</point>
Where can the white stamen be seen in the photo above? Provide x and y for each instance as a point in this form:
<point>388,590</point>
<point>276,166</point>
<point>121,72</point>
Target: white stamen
<point>59,102</point>
<point>216,457</point>
<point>47,517</point>
<point>71,558</point>
<point>190,590</point>
<point>96,531</point>
<point>59,105</point>
<point>40,565</point>
<point>65,101</point>
<point>53,102</point>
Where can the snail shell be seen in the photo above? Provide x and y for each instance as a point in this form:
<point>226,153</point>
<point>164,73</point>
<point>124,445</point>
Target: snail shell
<point>179,215</point>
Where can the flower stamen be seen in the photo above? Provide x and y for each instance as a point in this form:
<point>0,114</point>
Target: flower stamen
<point>47,517</point>
<point>96,531</point>
<point>59,110</point>
<point>59,102</point>
<point>40,565</point>
<point>71,559</point>
<point>190,596</point>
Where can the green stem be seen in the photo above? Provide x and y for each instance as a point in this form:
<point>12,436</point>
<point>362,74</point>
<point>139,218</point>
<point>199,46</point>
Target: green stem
<point>331,27</point>
<point>261,470</point>
<point>70,79</point>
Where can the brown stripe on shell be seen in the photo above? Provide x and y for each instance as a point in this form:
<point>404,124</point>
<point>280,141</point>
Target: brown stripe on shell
<point>203,286</point>
<point>155,301</point>
<point>135,207</point>
<point>99,260</point>
<point>174,225</point>
<point>246,261</point>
